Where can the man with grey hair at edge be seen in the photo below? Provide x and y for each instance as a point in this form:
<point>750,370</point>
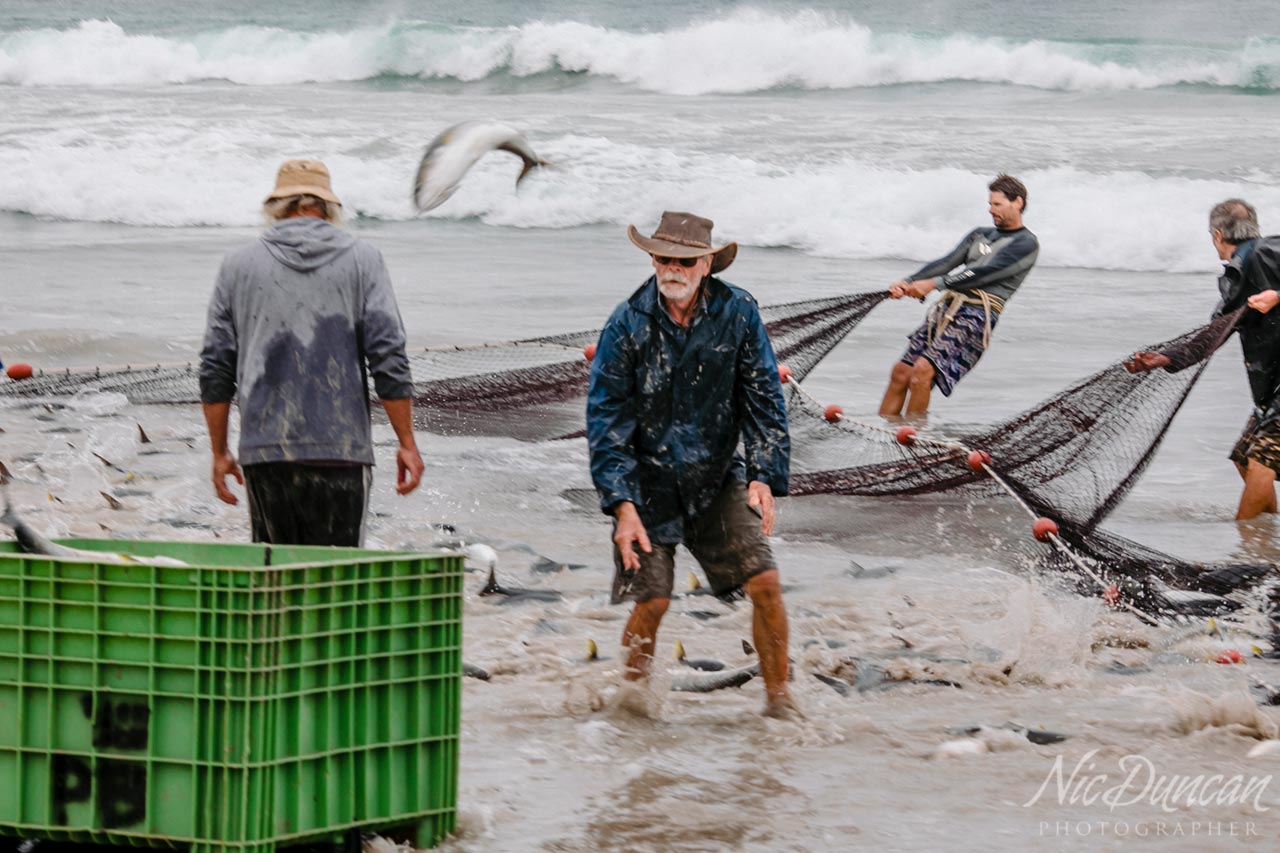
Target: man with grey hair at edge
<point>683,373</point>
<point>299,319</point>
<point>1250,277</point>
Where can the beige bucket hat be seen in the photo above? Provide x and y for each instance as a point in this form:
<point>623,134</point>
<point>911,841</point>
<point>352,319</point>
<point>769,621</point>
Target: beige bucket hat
<point>303,177</point>
<point>684,235</point>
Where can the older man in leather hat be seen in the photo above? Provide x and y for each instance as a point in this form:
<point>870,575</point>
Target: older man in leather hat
<point>684,373</point>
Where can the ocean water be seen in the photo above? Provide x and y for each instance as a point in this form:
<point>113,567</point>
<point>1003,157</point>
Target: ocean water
<point>841,144</point>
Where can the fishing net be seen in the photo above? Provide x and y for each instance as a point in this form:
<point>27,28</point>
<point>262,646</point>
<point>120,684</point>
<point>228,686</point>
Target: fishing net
<point>529,389</point>
<point>1073,457</point>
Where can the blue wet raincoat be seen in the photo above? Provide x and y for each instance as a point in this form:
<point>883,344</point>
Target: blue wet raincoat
<point>667,407</point>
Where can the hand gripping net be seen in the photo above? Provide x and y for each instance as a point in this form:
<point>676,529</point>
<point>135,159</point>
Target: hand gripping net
<point>530,389</point>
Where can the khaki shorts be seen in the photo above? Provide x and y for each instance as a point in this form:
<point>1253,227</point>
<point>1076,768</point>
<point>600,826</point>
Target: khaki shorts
<point>727,542</point>
<point>1259,443</point>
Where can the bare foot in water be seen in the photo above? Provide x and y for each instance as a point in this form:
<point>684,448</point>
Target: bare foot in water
<point>783,708</point>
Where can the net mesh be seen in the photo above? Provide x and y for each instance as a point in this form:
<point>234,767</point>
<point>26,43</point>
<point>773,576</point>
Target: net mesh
<point>530,389</point>
<point>1073,457</point>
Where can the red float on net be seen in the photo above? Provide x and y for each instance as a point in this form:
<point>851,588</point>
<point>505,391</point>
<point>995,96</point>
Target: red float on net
<point>906,435</point>
<point>1230,656</point>
<point>784,373</point>
<point>20,370</point>
<point>1044,528</point>
<point>978,459</point>
<point>833,413</point>
<point>589,351</point>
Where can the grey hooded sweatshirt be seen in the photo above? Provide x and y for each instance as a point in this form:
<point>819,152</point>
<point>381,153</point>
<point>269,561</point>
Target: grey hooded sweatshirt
<point>295,318</point>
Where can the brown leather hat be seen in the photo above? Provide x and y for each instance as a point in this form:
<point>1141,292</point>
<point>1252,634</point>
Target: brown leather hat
<point>684,235</point>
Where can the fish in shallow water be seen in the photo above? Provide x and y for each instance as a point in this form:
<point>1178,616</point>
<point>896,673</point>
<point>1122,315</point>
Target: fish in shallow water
<point>873,678</point>
<point>32,542</point>
<point>1040,737</point>
<point>515,593</point>
<point>471,671</point>
<point>705,682</point>
<point>860,572</point>
<point>694,663</point>
<point>456,149</point>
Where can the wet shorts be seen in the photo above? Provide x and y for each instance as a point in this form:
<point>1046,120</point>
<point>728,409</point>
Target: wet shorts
<point>727,542</point>
<point>291,503</point>
<point>953,353</point>
<point>1259,443</point>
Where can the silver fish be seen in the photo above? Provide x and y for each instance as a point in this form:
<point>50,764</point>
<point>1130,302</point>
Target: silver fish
<point>452,154</point>
<point>32,542</point>
<point>705,682</point>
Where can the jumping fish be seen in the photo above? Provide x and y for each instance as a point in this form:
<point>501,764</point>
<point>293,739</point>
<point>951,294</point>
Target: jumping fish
<point>451,154</point>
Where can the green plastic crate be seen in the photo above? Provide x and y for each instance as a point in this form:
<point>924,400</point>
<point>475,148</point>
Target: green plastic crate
<point>260,695</point>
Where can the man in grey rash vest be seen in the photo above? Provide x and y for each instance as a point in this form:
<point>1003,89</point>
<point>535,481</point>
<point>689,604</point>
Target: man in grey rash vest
<point>1250,277</point>
<point>976,279</point>
<point>298,320</point>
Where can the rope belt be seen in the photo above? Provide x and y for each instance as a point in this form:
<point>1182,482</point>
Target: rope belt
<point>947,307</point>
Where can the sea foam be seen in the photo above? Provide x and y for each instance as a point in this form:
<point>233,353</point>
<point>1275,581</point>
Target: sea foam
<point>743,51</point>
<point>846,208</point>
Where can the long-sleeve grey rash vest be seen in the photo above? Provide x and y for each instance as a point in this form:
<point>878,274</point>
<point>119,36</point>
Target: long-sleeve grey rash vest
<point>299,320</point>
<point>988,259</point>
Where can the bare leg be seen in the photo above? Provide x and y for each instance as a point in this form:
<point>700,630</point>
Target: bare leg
<point>921,386</point>
<point>769,630</point>
<point>1259,491</point>
<point>895,396</point>
<point>641,635</point>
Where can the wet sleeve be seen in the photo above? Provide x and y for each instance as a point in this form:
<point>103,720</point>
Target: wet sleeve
<point>611,418</point>
<point>1016,258</point>
<point>763,412</point>
<point>220,353</point>
<point>1197,345</point>
<point>382,336</point>
<point>947,262</point>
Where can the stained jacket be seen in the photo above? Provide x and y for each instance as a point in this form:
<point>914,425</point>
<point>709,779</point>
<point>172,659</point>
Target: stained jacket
<point>1255,267</point>
<point>667,407</point>
<point>298,321</point>
<point>988,259</point>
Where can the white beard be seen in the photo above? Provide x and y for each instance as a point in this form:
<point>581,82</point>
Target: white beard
<point>677,289</point>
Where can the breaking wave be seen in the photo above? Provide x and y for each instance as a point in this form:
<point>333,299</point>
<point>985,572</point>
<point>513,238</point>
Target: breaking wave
<point>849,208</point>
<point>745,51</point>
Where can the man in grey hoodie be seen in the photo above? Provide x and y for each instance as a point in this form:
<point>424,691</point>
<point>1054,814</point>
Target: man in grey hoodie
<point>298,320</point>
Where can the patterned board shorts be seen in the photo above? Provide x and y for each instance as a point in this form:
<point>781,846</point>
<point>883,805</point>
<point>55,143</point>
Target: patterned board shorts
<point>727,542</point>
<point>953,353</point>
<point>1260,443</point>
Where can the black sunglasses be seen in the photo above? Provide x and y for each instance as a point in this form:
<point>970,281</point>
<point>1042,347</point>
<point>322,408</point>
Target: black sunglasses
<point>663,260</point>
